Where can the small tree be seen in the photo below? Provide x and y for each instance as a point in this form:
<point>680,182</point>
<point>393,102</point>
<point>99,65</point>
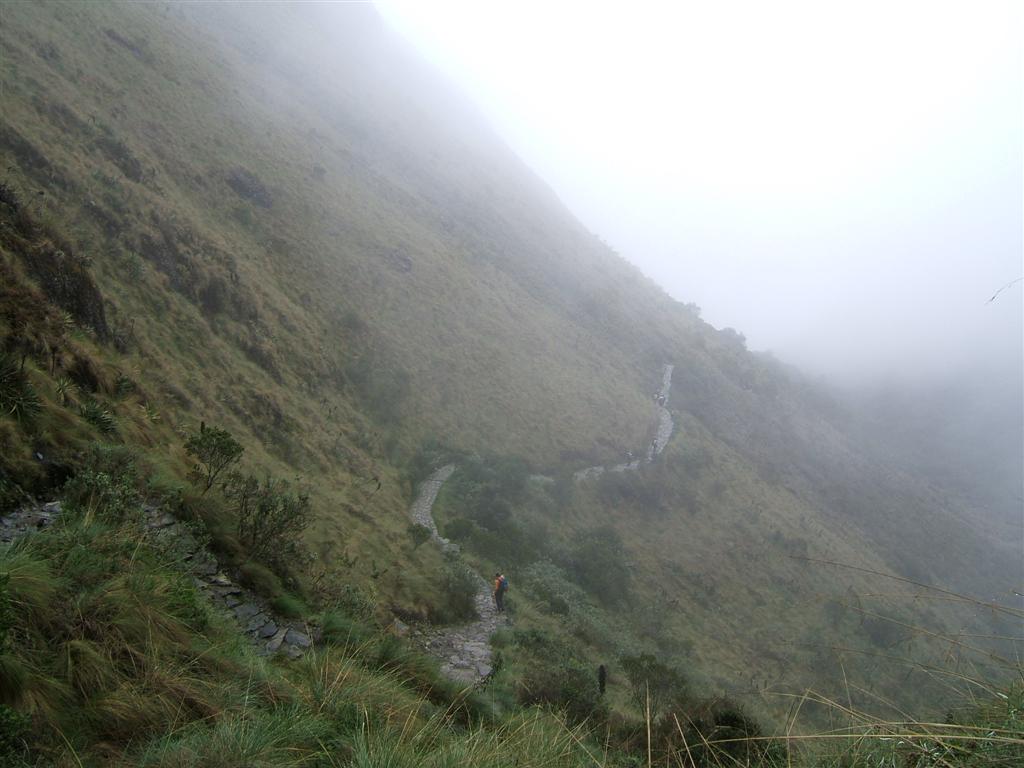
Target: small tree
<point>215,450</point>
<point>271,517</point>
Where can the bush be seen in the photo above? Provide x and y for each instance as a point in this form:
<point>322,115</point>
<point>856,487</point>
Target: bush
<point>106,487</point>
<point>553,588</point>
<point>565,683</point>
<point>260,579</point>
<point>271,517</point>
<point>719,732</point>
<point>652,683</point>
<point>17,397</point>
<point>419,534</point>
<point>93,411</point>
<point>14,728</point>
<point>599,564</point>
<point>289,606</point>
<point>215,451</point>
<point>460,585</point>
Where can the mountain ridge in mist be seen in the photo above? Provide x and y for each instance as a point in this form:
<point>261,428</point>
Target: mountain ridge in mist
<point>293,243</point>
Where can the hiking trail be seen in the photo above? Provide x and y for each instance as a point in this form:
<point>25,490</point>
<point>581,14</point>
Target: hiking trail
<point>269,632</point>
<point>465,650</point>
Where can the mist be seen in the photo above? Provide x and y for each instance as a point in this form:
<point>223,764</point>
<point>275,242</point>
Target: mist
<point>841,184</point>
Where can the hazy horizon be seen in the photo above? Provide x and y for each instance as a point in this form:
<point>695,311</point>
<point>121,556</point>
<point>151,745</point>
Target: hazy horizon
<point>841,185</point>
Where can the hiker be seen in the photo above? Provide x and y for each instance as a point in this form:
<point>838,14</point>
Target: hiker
<point>500,588</point>
<point>602,679</point>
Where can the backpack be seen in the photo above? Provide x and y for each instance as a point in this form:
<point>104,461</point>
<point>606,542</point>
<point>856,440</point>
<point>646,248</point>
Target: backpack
<point>503,586</point>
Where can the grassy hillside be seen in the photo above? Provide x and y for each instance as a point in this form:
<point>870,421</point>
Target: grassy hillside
<point>279,222</point>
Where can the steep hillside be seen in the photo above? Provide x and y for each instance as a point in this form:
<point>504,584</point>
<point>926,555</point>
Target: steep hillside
<point>339,280</point>
<point>279,222</point>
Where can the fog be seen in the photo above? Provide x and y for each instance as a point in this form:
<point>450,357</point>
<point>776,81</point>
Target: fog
<point>840,182</point>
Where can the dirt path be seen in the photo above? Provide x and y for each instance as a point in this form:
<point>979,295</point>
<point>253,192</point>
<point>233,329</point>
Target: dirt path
<point>465,651</point>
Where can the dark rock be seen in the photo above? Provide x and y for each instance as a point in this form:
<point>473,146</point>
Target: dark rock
<point>162,521</point>
<point>257,621</point>
<point>294,637</point>
<point>246,611</point>
<point>274,643</point>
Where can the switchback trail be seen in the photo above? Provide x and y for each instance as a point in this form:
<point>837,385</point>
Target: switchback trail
<point>661,435</point>
<point>465,651</point>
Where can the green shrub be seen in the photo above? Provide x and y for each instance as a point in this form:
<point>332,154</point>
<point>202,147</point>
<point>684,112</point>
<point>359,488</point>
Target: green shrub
<point>215,452</point>
<point>720,732</point>
<point>289,606</point>
<point>271,518</point>
<point>355,601</point>
<point>419,534</point>
<point>93,411</point>
<point>568,684</point>
<point>66,389</point>
<point>14,730</point>
<point>599,564</point>
<point>106,487</point>
<point>652,683</point>
<point>460,585</point>
<point>260,579</point>
<point>124,386</point>
<point>553,588</point>
<point>17,396</point>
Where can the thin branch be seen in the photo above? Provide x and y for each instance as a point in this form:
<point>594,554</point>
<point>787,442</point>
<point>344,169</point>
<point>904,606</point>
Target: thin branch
<point>1011,283</point>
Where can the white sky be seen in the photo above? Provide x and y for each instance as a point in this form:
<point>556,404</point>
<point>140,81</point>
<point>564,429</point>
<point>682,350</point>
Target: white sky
<point>840,181</point>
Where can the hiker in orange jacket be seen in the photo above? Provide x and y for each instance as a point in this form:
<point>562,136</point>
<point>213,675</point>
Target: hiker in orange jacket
<point>500,587</point>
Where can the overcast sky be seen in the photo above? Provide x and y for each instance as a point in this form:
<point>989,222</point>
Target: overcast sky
<point>840,181</point>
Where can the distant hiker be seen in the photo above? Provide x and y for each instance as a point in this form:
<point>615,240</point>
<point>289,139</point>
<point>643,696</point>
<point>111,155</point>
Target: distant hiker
<point>602,678</point>
<point>500,588</point>
<point>629,455</point>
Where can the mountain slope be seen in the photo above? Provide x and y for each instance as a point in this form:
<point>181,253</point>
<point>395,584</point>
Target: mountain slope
<point>301,234</point>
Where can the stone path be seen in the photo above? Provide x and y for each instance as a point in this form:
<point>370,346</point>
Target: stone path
<point>465,651</point>
<point>267,630</point>
<point>421,509</point>
<point>661,436</point>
